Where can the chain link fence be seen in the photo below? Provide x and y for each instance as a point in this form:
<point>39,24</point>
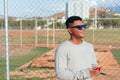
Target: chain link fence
<point>37,25</point>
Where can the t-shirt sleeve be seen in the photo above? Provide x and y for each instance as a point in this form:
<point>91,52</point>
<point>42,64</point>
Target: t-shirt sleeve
<point>61,69</point>
<point>82,75</point>
<point>93,57</point>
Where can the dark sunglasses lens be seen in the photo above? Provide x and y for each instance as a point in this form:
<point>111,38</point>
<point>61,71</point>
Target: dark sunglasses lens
<point>81,26</point>
<point>85,26</point>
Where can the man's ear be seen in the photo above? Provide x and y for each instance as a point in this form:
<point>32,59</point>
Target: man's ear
<point>69,30</point>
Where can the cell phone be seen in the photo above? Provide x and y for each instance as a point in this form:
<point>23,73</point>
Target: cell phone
<point>97,68</point>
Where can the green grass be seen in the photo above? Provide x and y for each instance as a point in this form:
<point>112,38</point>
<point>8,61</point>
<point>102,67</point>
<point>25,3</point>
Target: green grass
<point>117,55</point>
<point>105,36</point>
<point>17,61</point>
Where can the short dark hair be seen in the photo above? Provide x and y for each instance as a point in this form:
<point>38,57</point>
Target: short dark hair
<point>71,20</point>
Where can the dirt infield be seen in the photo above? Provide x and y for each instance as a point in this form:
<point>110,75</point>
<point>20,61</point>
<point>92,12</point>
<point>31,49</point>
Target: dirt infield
<point>44,67</point>
<point>109,65</point>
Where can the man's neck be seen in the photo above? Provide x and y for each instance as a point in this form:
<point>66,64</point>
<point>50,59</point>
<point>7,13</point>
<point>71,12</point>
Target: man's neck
<point>76,41</point>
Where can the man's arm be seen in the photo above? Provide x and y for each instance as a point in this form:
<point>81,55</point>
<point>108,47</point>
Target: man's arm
<point>61,69</point>
<point>93,58</point>
<point>94,63</point>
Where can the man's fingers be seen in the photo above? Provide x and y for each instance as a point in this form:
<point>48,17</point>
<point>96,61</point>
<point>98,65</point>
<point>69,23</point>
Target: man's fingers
<point>97,68</point>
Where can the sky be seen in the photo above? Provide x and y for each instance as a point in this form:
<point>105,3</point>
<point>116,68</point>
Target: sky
<point>31,8</point>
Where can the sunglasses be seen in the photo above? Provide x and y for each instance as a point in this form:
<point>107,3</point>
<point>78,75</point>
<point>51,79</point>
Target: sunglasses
<point>80,27</point>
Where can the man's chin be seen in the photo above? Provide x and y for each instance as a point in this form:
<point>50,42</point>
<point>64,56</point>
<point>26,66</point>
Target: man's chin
<point>82,36</point>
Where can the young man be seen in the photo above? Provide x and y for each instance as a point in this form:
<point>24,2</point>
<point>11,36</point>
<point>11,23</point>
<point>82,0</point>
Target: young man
<point>75,58</point>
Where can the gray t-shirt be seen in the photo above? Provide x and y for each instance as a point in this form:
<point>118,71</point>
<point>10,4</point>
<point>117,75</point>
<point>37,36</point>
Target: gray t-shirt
<point>72,61</point>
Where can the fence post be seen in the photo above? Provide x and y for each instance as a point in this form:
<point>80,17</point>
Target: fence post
<point>93,30</point>
<point>53,32</point>
<point>96,14</point>
<point>47,32</point>
<point>36,32</point>
<point>21,32</point>
<point>6,39</point>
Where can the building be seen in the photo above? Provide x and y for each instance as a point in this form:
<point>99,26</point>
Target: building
<point>78,8</point>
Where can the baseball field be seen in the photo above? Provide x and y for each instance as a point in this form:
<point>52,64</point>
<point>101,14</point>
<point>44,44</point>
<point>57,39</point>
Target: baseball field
<point>106,38</point>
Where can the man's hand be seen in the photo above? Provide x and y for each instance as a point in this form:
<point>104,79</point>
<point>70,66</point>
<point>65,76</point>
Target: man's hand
<point>97,68</point>
<point>95,71</point>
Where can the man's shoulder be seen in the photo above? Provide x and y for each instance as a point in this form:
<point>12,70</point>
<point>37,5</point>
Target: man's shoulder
<point>64,44</point>
<point>88,43</point>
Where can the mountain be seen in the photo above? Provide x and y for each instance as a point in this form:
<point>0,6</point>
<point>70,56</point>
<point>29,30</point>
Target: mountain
<point>101,12</point>
<point>58,15</point>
